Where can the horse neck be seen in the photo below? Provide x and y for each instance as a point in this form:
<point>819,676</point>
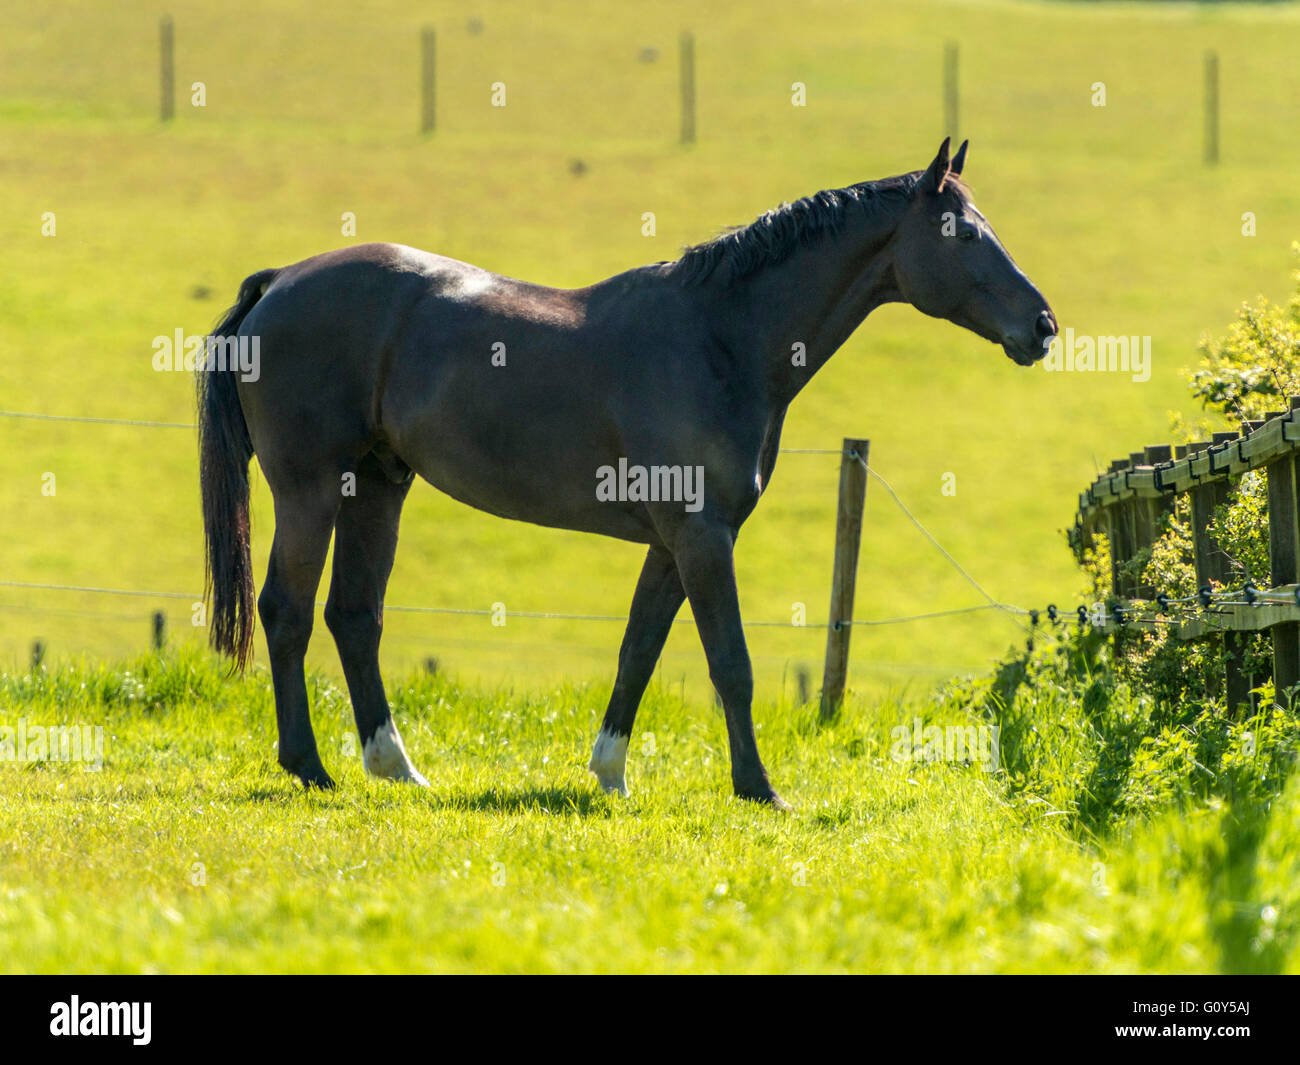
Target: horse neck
<point>815,297</point>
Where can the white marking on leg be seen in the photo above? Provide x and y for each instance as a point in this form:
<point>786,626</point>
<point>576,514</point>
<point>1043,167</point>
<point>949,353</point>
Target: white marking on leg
<point>609,761</point>
<point>385,756</point>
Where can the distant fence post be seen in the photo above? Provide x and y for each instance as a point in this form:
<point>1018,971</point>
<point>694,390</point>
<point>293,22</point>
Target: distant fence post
<point>848,538</point>
<point>159,630</point>
<point>1211,107</point>
<point>428,66</point>
<point>688,87</point>
<point>38,654</point>
<point>950,116</point>
<point>166,69</point>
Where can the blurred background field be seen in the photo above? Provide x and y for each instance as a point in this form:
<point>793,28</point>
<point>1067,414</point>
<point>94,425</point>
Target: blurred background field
<point>312,110</point>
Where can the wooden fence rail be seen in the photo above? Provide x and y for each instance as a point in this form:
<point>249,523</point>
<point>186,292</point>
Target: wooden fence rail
<point>1127,501</point>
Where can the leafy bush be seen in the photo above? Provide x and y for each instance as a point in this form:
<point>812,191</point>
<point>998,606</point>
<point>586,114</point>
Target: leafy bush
<point>1252,369</point>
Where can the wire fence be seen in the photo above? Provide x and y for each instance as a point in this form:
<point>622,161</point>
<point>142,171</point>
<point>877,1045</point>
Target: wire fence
<point>1016,614</point>
<point>541,615</point>
<point>1164,608</point>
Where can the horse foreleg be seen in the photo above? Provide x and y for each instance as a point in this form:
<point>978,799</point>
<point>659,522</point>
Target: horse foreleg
<point>703,553</point>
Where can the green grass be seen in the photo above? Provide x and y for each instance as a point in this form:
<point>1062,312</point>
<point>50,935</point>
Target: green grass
<point>313,114</point>
<point>1116,839</point>
<point>190,851</point>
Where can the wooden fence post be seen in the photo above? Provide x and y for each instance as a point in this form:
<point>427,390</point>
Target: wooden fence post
<point>950,114</point>
<point>166,69</point>
<point>1212,564</point>
<point>159,630</point>
<point>1147,514</point>
<point>1211,108</point>
<point>1120,530</point>
<point>848,537</point>
<point>688,87</point>
<point>1115,533</point>
<point>1122,548</point>
<point>428,84</point>
<point>1284,565</point>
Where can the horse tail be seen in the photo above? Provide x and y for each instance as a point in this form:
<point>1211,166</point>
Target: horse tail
<point>225,450</point>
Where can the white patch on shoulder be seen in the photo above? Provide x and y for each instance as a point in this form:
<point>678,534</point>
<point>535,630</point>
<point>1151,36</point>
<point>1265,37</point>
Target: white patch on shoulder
<point>609,762</point>
<point>385,756</point>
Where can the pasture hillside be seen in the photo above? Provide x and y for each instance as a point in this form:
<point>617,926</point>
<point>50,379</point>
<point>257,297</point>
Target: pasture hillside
<point>311,111</point>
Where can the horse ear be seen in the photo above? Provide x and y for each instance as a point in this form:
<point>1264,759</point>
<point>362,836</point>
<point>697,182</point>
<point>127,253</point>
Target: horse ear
<point>937,172</point>
<point>959,160</point>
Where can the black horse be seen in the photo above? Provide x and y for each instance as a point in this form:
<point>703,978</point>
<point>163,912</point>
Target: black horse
<point>647,407</point>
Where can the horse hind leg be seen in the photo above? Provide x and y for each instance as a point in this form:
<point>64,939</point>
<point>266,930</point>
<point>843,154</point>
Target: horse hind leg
<point>304,518</point>
<point>365,541</point>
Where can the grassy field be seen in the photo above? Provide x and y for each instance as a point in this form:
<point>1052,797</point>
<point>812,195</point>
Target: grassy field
<point>314,113</point>
<point>189,850</point>
<point>1115,837</point>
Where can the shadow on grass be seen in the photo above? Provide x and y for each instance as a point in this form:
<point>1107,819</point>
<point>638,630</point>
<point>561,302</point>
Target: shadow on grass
<point>553,800</point>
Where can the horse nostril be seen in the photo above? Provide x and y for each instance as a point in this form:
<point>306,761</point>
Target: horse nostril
<point>1045,326</point>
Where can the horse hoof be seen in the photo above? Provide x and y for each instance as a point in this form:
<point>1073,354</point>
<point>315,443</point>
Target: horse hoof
<point>766,797</point>
<point>609,763</point>
<point>384,755</point>
<point>310,772</point>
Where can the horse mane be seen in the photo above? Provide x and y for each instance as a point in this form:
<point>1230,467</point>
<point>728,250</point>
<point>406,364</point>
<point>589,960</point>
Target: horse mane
<point>774,235</point>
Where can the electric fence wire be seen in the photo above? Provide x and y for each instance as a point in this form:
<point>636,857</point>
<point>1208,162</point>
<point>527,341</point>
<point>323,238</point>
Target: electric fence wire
<point>1206,600</point>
